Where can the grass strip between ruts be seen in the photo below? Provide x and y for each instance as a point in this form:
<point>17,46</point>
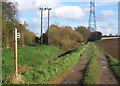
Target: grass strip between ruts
<point>92,68</point>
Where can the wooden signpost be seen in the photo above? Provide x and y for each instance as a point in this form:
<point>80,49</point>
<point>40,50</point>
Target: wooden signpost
<point>15,36</point>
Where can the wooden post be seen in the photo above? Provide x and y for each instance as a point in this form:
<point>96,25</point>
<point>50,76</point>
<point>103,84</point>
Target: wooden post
<point>15,52</point>
<point>48,26</point>
<point>41,25</point>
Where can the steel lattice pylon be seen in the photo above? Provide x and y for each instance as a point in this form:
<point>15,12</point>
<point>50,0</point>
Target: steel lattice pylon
<point>92,19</point>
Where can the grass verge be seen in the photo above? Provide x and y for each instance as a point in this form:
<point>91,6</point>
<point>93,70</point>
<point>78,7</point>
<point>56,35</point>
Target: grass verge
<point>34,69</point>
<point>28,57</point>
<point>48,72</point>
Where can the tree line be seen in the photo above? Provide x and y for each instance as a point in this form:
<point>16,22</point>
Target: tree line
<point>67,38</point>
<point>61,37</point>
<point>10,20</point>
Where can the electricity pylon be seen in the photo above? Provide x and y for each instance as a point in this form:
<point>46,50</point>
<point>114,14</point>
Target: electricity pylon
<point>92,19</point>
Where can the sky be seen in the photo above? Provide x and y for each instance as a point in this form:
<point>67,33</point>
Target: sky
<point>69,13</point>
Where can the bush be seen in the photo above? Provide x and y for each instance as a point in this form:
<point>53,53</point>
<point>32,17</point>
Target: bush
<point>95,36</point>
<point>82,30</point>
<point>29,37</point>
<point>63,37</point>
<point>87,35</point>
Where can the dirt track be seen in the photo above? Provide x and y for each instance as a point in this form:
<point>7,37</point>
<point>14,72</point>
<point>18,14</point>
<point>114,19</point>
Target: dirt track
<point>76,74</point>
<point>105,76</point>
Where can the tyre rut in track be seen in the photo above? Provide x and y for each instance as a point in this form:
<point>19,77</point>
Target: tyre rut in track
<point>76,73</point>
<point>106,76</point>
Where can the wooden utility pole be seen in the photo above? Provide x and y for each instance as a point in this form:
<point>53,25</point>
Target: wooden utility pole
<point>48,24</point>
<point>41,9</point>
<point>15,52</point>
<point>41,25</point>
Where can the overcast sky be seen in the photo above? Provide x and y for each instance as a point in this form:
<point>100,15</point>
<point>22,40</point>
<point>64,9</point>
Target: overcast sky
<point>69,13</point>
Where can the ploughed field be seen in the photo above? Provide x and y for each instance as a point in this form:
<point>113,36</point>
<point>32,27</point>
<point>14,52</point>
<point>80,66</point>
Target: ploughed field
<point>111,46</point>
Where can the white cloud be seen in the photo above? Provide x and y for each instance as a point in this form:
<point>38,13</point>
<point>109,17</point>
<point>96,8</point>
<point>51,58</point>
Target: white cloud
<point>74,0</point>
<point>34,5</point>
<point>45,13</point>
<point>69,12</point>
<point>60,11</point>
<point>26,6</point>
<point>35,22</point>
<point>101,4</point>
<point>35,25</point>
<point>108,28</point>
<point>88,0</point>
<point>48,3</point>
<point>22,20</point>
<point>106,15</point>
<point>107,0</point>
<point>104,29</point>
<point>86,10</point>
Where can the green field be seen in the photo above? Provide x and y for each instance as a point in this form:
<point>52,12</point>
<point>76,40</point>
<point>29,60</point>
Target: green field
<point>29,56</point>
<point>48,72</point>
<point>32,65</point>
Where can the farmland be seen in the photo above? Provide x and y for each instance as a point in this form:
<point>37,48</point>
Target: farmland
<point>28,57</point>
<point>32,63</point>
<point>111,46</point>
<point>33,67</point>
<point>48,42</point>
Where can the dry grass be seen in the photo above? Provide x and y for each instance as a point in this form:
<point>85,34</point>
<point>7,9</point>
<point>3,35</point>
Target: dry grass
<point>17,79</point>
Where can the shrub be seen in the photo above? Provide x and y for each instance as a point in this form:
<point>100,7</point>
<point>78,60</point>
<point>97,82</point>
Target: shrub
<point>87,35</point>
<point>95,36</point>
<point>82,30</point>
<point>63,37</point>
